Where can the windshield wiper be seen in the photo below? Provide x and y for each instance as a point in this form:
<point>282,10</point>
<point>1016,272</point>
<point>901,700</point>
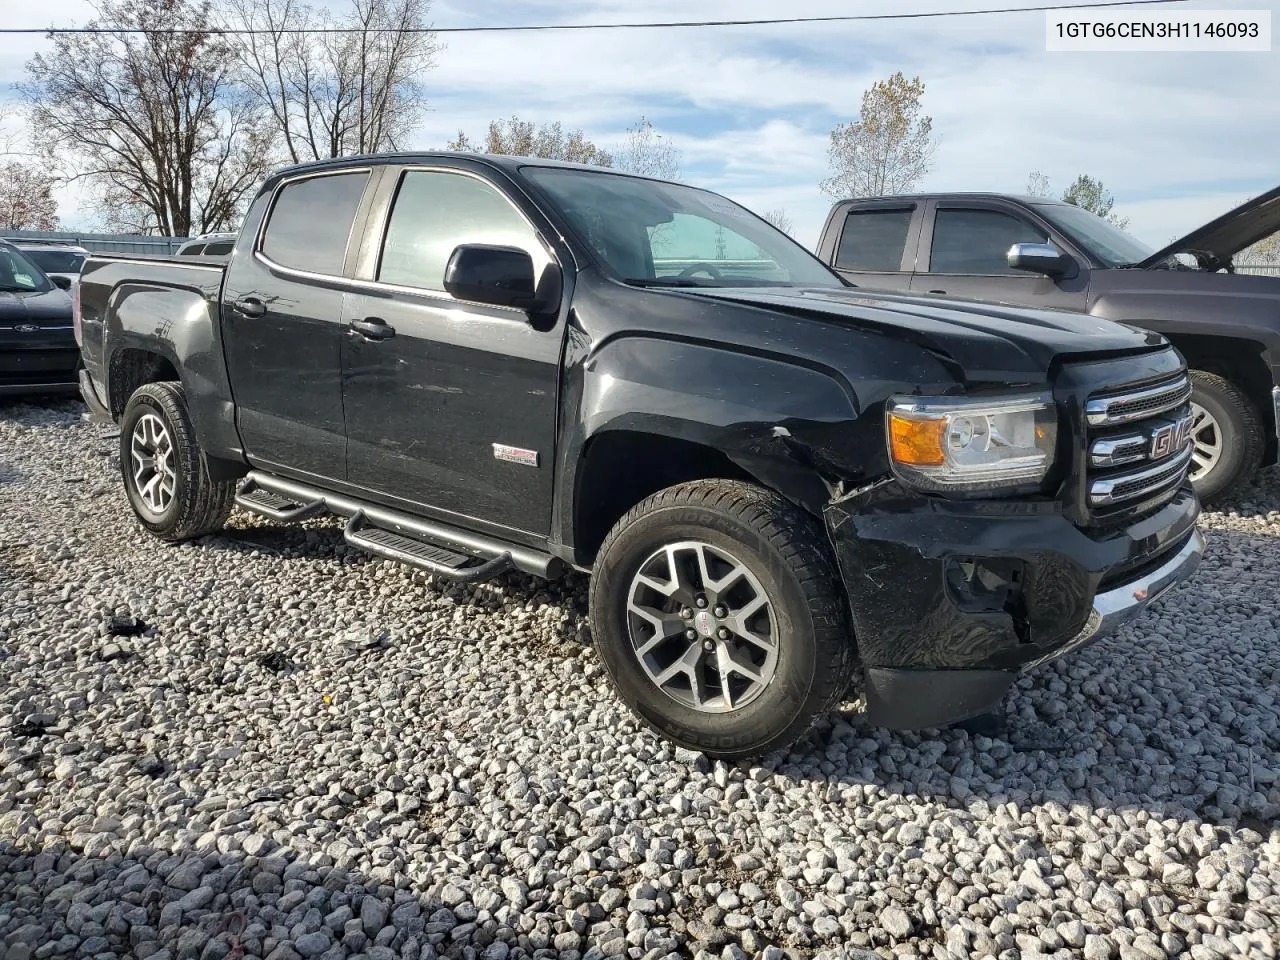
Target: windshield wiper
<point>8,289</point>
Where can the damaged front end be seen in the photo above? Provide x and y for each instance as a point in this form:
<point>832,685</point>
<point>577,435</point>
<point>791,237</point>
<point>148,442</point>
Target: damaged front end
<point>952,599</point>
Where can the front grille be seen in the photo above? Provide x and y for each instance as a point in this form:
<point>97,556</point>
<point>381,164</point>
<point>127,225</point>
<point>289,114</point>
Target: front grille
<point>1130,486</point>
<point>1139,444</point>
<point>1136,404</point>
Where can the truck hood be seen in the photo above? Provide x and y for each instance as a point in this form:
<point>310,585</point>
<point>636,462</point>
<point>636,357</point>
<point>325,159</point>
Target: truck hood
<point>1220,239</point>
<point>987,340</point>
<point>39,308</point>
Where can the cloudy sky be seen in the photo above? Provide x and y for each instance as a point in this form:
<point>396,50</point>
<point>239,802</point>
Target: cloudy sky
<point>1177,137</point>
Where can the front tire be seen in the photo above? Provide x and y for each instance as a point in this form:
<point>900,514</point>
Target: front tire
<point>164,470</point>
<point>1227,436</point>
<point>719,616</point>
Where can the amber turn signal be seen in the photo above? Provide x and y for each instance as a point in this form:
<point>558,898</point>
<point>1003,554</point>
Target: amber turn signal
<point>917,443</point>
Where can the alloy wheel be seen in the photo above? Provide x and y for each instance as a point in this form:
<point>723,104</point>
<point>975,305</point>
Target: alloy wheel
<point>1206,439</point>
<point>702,627</point>
<point>151,450</point>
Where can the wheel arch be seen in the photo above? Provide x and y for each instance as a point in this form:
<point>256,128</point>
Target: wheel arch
<point>1240,361</point>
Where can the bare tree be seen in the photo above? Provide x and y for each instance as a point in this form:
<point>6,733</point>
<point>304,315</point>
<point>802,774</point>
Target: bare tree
<point>524,138</point>
<point>1038,184</point>
<point>778,217</point>
<point>153,123</point>
<point>648,153</point>
<point>26,198</point>
<point>334,94</point>
<point>888,149</point>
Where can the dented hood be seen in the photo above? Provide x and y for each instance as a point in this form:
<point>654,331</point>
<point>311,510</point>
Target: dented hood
<point>1219,240</point>
<point>988,340</point>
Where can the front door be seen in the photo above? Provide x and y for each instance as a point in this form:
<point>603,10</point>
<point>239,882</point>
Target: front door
<point>450,405</point>
<point>282,327</point>
<point>968,258</point>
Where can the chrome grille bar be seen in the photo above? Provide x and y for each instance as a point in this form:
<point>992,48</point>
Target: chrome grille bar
<point>1117,452</point>
<point>1137,404</point>
<point>1140,483</point>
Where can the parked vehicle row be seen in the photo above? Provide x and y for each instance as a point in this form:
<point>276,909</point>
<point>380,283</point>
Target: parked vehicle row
<point>778,483</point>
<point>1037,252</point>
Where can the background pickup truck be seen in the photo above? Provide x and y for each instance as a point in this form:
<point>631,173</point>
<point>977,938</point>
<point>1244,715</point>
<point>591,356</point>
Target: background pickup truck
<point>1043,253</point>
<point>774,479</point>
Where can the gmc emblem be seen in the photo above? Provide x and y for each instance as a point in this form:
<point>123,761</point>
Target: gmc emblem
<point>1170,438</point>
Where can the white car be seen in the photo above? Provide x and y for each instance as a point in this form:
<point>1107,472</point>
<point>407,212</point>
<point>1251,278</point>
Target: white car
<point>57,258</point>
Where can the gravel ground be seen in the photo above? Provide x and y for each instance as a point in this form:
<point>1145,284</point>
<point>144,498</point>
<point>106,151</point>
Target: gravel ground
<point>309,753</point>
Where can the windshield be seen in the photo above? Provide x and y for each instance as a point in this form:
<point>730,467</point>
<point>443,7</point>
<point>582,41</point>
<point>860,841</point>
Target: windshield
<point>56,261</point>
<point>1103,239</point>
<point>20,275</point>
<point>662,234</point>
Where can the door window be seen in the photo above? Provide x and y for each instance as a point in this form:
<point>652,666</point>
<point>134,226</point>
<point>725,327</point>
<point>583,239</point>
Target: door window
<point>978,241</point>
<point>436,211</point>
<point>311,220</point>
<point>874,240</point>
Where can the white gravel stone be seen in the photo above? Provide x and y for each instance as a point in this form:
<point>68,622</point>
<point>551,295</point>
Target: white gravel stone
<point>443,771</point>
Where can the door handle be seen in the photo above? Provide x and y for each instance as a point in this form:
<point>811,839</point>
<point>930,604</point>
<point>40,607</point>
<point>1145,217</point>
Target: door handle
<point>250,307</point>
<point>937,291</point>
<point>372,328</point>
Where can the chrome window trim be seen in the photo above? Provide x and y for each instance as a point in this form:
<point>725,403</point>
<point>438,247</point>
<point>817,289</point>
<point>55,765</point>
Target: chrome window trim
<point>1101,491</point>
<point>1097,411</point>
<point>271,207</point>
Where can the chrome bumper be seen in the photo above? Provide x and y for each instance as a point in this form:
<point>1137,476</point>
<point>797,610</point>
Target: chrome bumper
<point>1121,604</point>
<point>1275,406</point>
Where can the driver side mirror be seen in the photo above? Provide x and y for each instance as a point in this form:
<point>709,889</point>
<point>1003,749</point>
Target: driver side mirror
<point>62,283</point>
<point>501,276</point>
<point>1042,258</point>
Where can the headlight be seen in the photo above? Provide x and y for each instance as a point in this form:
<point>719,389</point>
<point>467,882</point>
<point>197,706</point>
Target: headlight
<point>975,446</point>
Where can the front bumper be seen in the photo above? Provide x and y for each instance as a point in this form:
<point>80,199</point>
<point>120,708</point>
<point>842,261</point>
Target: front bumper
<point>951,601</point>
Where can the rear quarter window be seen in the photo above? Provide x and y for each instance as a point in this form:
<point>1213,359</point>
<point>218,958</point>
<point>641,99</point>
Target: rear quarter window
<point>310,222</point>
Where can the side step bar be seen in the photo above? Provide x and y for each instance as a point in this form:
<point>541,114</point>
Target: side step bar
<point>427,544</point>
<point>425,556</point>
<point>255,499</point>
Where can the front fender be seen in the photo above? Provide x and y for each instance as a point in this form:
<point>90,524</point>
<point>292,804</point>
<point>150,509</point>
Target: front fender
<point>794,428</point>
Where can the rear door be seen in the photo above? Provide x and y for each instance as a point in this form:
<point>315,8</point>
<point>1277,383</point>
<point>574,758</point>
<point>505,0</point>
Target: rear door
<point>283,328</point>
<point>453,409</point>
<point>873,243</point>
<point>964,253</point>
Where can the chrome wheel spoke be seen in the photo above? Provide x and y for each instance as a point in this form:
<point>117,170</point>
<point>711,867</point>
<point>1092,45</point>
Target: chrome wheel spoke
<point>702,627</point>
<point>151,451</point>
<point>1206,449</point>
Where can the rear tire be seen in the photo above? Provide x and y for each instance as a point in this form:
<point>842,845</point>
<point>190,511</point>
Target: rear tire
<point>165,474</point>
<point>725,545</point>
<point>1227,436</point>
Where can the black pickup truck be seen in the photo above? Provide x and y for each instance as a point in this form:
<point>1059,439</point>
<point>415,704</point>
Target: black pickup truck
<point>775,480</point>
<point>1035,252</point>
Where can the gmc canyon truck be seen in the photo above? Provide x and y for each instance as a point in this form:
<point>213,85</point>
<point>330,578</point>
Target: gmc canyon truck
<point>1036,252</point>
<point>774,479</point>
